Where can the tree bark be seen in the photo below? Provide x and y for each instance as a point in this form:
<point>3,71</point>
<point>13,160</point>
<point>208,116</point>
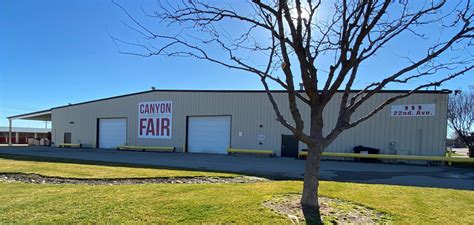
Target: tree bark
<point>471,152</point>
<point>309,199</point>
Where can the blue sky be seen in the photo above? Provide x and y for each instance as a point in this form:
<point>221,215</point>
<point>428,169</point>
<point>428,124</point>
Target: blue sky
<point>57,52</point>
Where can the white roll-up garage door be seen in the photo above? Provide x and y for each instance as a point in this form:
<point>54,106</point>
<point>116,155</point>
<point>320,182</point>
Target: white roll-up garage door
<point>112,132</point>
<point>209,134</point>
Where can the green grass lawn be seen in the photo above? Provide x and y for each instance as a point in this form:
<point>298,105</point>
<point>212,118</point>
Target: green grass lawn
<point>199,203</point>
<point>93,171</point>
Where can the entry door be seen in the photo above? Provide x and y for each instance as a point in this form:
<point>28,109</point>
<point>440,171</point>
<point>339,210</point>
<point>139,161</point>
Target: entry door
<point>289,146</point>
<point>67,138</point>
<point>112,132</point>
<point>209,134</point>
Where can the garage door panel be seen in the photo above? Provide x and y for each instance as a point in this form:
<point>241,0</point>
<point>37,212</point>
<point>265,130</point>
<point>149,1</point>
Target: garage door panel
<point>209,134</point>
<point>112,132</point>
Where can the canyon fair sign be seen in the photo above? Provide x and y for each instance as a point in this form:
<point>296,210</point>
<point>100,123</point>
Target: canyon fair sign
<point>413,110</point>
<point>154,119</point>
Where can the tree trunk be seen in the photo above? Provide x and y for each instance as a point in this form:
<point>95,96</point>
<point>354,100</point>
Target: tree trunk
<point>309,199</point>
<point>469,144</point>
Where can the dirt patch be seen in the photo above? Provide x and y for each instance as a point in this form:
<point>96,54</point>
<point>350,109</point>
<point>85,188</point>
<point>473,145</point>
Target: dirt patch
<point>333,211</point>
<point>40,179</point>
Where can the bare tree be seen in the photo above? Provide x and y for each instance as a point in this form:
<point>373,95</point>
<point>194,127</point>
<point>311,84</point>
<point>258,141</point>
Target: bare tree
<point>461,118</point>
<point>290,38</point>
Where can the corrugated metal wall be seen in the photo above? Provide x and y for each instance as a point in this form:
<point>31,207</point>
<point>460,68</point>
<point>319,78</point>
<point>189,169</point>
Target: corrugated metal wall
<point>249,110</point>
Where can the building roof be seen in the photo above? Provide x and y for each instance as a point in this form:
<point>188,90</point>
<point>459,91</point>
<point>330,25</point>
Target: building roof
<point>47,113</point>
<point>25,129</point>
<point>44,115</point>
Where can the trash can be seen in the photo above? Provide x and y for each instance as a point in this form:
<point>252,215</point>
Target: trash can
<point>366,150</point>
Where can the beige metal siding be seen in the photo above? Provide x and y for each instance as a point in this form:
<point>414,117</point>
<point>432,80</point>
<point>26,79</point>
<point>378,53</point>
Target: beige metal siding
<point>249,110</point>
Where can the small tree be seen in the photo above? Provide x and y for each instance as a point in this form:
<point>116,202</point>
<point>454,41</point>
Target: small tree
<point>289,38</point>
<point>461,118</point>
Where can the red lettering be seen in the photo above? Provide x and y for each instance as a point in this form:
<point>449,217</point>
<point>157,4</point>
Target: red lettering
<point>165,126</point>
<point>168,107</point>
<point>142,126</point>
<point>161,108</point>
<point>152,109</point>
<point>150,127</point>
<point>157,128</point>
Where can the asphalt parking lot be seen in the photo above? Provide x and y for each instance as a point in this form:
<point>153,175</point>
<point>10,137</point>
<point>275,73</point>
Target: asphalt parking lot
<point>275,168</point>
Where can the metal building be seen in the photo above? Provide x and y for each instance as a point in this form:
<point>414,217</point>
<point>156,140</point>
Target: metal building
<point>211,121</point>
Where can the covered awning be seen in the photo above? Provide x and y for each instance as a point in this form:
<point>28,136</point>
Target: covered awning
<point>44,115</point>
